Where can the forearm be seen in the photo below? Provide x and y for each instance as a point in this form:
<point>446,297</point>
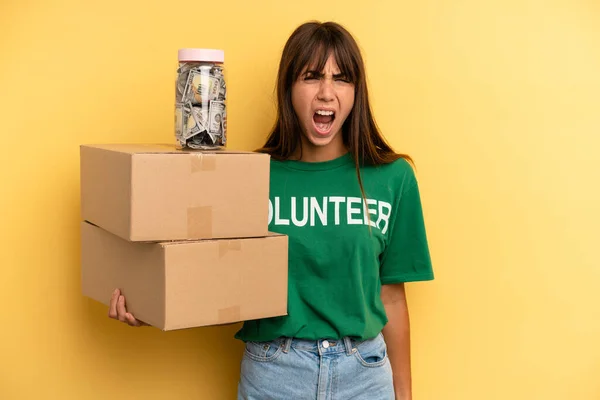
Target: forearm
<point>397,337</point>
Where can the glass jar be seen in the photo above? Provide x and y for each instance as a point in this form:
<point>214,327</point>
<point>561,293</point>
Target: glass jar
<point>200,100</point>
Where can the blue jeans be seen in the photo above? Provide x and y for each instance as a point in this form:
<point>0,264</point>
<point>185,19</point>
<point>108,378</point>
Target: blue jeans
<point>293,369</point>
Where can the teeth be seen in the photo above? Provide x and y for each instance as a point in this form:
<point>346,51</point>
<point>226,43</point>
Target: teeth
<point>323,112</point>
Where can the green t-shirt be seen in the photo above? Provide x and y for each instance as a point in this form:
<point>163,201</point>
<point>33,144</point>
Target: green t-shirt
<point>336,265</point>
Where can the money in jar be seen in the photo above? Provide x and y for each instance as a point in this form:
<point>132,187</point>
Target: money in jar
<point>200,100</point>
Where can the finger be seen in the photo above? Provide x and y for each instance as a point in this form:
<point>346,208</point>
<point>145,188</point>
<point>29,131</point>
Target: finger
<point>121,311</point>
<point>131,320</point>
<point>112,309</point>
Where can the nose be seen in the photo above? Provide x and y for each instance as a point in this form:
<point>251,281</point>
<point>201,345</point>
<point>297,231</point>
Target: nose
<point>326,90</point>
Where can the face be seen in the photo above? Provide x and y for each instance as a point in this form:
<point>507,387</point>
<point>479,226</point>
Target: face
<point>322,101</point>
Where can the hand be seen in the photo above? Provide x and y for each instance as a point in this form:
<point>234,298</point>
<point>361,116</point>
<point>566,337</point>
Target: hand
<point>118,311</point>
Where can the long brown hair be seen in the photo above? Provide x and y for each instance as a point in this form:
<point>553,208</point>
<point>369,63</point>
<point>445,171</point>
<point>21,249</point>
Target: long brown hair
<point>311,44</point>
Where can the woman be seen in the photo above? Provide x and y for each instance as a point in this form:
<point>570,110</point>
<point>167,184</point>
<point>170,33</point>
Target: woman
<point>351,209</point>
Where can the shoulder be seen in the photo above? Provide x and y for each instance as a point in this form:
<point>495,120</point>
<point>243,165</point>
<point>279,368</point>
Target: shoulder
<point>399,173</point>
<point>400,166</point>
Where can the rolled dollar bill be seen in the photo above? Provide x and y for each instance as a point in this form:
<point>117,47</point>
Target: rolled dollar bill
<point>201,88</point>
<point>179,124</point>
<point>183,73</point>
<point>216,111</point>
<point>200,115</point>
<point>192,127</point>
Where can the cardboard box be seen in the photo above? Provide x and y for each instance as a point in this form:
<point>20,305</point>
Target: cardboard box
<point>177,285</point>
<point>156,192</point>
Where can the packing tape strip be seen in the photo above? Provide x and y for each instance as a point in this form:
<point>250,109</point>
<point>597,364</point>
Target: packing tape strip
<point>225,246</point>
<point>199,222</point>
<point>229,314</point>
<point>200,162</point>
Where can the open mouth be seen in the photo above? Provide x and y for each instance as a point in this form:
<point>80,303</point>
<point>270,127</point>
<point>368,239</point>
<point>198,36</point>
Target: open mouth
<point>323,119</point>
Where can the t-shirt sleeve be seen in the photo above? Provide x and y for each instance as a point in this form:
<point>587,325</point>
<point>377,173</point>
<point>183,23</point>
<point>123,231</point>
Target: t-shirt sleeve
<point>406,257</point>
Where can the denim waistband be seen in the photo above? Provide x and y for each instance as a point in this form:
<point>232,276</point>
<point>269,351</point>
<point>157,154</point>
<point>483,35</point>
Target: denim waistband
<point>322,346</point>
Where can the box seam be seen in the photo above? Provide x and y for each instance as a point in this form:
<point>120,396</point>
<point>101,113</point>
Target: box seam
<point>164,272</point>
<point>172,243</point>
<point>131,191</point>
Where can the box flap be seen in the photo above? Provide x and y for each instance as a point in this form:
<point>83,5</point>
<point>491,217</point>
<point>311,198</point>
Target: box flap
<point>150,148</point>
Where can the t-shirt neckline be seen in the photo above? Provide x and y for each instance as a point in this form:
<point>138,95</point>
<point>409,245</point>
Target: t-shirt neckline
<point>320,165</point>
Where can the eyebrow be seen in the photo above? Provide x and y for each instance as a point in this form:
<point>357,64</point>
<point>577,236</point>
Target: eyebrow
<point>320,74</point>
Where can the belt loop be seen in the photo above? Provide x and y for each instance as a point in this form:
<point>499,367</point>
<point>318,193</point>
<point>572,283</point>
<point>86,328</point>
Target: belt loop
<point>287,343</point>
<point>348,345</point>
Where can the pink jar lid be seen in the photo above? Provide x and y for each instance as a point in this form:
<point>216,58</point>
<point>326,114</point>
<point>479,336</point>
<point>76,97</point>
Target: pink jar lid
<point>210,55</point>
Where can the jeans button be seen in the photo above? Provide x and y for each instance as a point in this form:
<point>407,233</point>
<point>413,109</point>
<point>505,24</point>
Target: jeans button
<point>325,344</point>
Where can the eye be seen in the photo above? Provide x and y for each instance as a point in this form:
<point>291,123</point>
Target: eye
<point>309,77</point>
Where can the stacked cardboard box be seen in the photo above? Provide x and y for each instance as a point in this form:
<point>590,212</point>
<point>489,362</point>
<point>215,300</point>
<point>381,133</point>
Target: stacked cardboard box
<point>183,234</point>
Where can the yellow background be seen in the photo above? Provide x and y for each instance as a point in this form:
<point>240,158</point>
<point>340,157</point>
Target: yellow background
<point>498,102</point>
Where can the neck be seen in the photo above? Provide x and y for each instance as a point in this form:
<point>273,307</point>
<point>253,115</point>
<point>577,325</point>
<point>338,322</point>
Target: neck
<point>308,152</point>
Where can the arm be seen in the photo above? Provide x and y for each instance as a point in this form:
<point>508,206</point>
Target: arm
<point>397,337</point>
